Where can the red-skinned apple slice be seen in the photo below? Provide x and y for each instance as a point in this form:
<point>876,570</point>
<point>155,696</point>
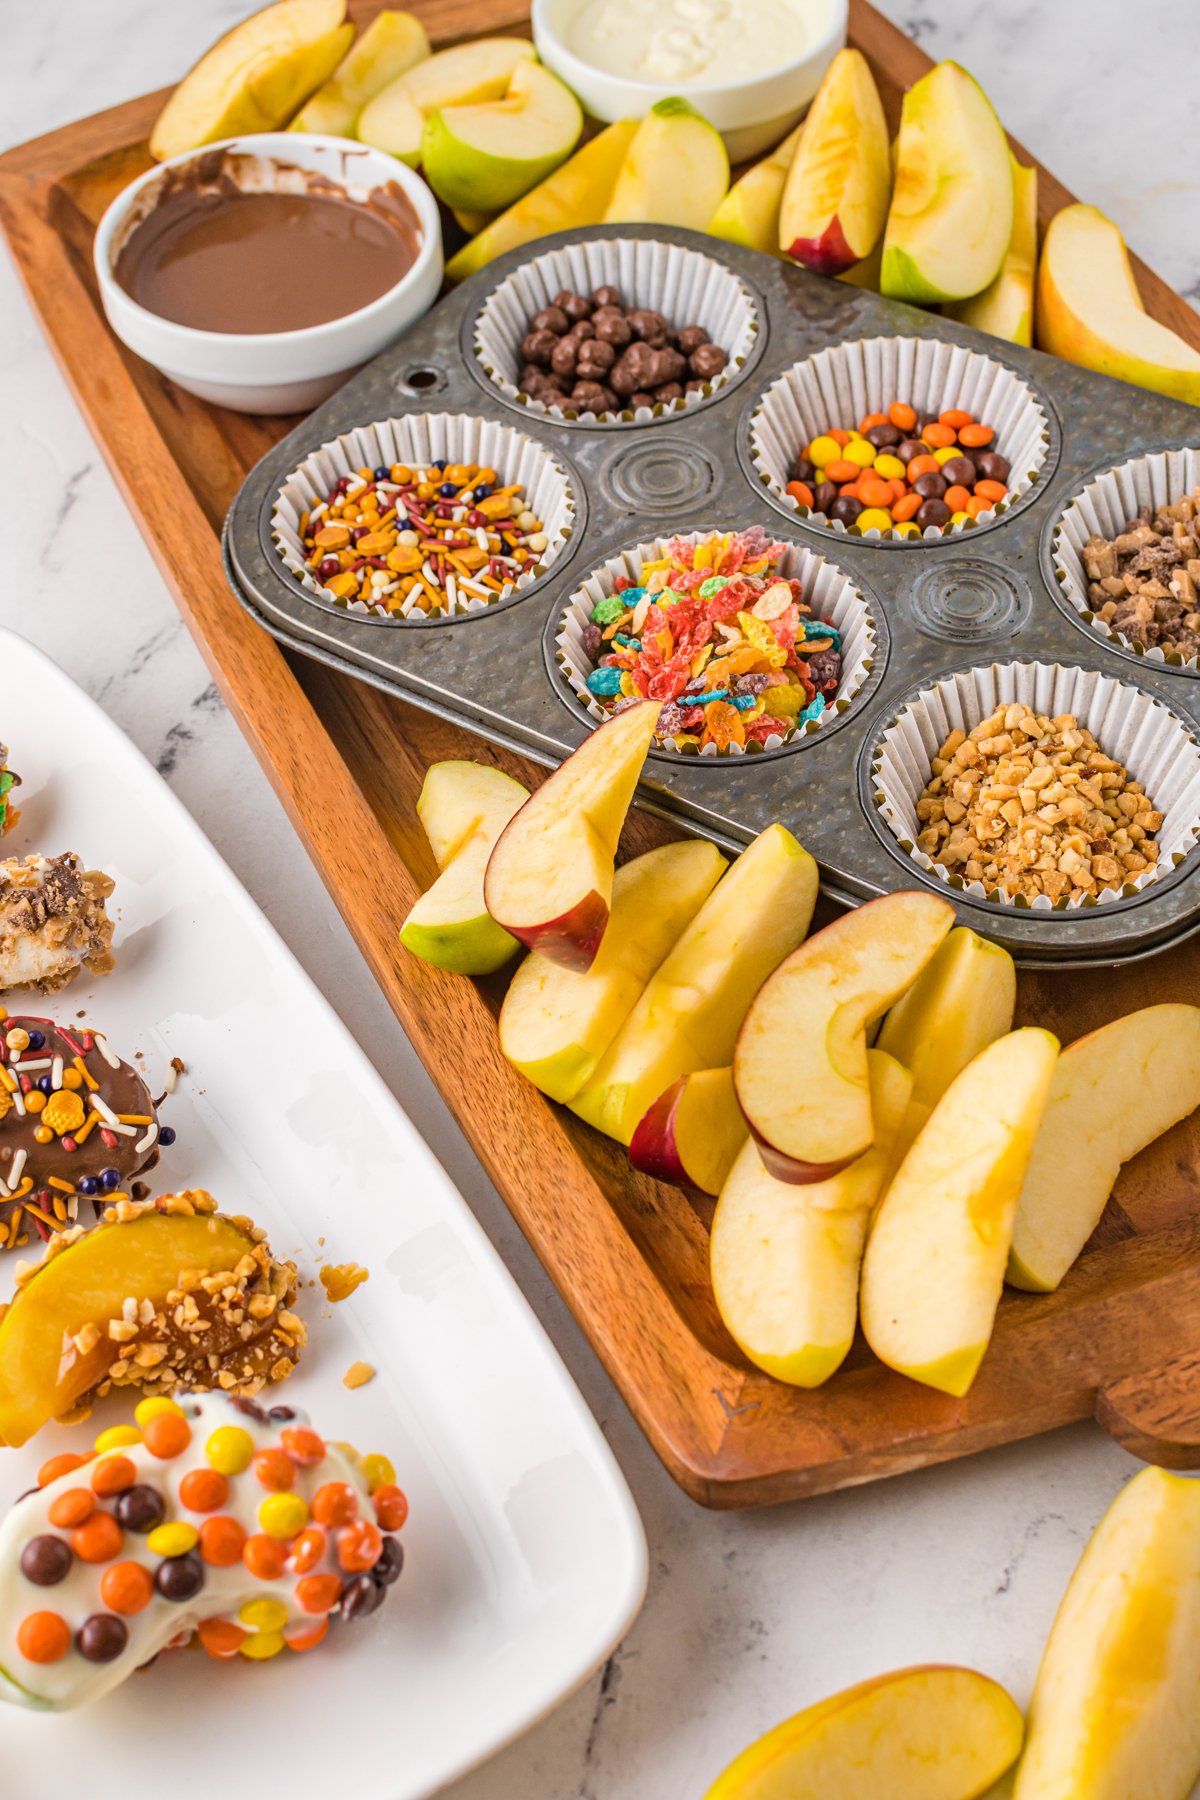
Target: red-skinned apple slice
<point>800,1064</point>
<point>692,1133</point>
<point>836,199</point>
<point>549,879</point>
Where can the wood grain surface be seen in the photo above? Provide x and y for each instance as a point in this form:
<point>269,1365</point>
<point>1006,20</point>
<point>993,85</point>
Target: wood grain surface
<point>1122,1336</point>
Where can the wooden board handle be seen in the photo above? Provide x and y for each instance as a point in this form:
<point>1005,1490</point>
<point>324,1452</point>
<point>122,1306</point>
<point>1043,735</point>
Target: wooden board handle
<point>1156,1414</point>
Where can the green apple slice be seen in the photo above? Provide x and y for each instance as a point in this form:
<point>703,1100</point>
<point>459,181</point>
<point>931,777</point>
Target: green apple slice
<point>484,156</point>
<point>464,806</point>
<point>395,119</point>
<point>675,173</point>
<point>392,43</point>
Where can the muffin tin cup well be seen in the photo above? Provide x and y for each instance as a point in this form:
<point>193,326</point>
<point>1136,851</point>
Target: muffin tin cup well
<point>686,286</point>
<point>417,440</point>
<point>1103,508</point>
<point>1157,749</point>
<point>828,591</point>
<point>842,384</point>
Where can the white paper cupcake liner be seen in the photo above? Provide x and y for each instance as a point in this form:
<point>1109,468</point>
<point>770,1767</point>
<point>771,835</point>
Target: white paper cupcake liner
<point>685,286</point>
<point>1156,748</point>
<point>828,591</point>
<point>417,440</point>
<point>837,387</point>
<point>1103,509</point>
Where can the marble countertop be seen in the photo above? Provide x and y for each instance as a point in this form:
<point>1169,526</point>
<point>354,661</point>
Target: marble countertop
<point>748,1617</point>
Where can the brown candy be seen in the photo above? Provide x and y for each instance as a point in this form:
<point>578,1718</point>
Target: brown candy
<point>691,338</point>
<point>650,326</point>
<point>707,360</point>
<point>576,306</point>
<point>606,296</point>
<point>538,347</point>
<point>551,318</point>
<point>596,355</point>
<point>670,390</point>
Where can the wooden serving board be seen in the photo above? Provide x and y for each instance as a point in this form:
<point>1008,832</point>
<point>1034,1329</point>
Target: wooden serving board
<point>1120,1340</point>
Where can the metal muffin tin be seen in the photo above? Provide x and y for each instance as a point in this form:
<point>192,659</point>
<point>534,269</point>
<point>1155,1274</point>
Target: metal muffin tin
<point>982,596</point>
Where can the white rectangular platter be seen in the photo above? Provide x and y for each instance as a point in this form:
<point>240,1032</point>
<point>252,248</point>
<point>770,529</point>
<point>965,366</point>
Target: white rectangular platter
<point>525,1558</point>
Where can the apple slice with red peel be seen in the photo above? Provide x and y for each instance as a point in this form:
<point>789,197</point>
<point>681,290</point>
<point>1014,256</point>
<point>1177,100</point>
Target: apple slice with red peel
<point>800,1064</point>
<point>835,201</point>
<point>556,1023</point>
<point>692,1133</point>
<point>549,879</point>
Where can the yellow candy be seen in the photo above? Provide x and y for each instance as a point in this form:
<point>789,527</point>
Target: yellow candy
<point>890,467</point>
<point>376,1470</point>
<point>33,1103</point>
<point>72,1078</point>
<point>6,1102</point>
<point>859,451</point>
<point>873,518</point>
<point>907,528</point>
<point>262,1645</point>
<point>173,1539</point>
<point>264,1615</point>
<point>116,1437</point>
<point>63,1112</point>
<point>150,1408</point>
<point>823,450</point>
<point>43,1135</point>
<point>961,518</point>
<point>229,1449</point>
<point>283,1515</point>
<point>946,452</point>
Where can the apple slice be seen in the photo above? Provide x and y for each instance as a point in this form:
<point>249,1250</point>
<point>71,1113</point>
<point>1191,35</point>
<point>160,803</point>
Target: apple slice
<point>692,1133</point>
<point>1089,310</point>
<point>1113,1714</point>
<point>555,1024</point>
<point>391,44</point>
<point>689,1014</point>
<point>801,1059</point>
<point>255,77</point>
<point>951,216</point>
<point>961,1002</point>
<point>549,879</point>
<point>932,1733</point>
<point>1005,309</point>
<point>464,806</point>
<point>675,172</point>
<point>935,1259</point>
<point>481,70</point>
<point>1113,1093</point>
<point>749,213</point>
<point>836,197</point>
<point>785,1259</point>
<point>486,155</point>
<point>576,194</point>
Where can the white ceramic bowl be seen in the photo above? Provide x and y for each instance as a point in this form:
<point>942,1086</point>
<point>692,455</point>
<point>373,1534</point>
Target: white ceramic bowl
<point>285,371</point>
<point>751,114</point>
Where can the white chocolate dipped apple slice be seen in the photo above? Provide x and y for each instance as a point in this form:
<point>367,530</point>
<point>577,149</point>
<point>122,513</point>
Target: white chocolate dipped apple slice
<point>549,878</point>
<point>800,1064</point>
<point>936,1255</point>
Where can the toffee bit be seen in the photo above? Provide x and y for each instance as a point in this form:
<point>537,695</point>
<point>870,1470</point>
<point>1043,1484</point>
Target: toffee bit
<point>340,1280</point>
<point>358,1375</point>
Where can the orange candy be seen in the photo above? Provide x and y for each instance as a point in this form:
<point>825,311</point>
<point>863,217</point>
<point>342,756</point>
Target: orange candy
<point>222,1541</point>
<point>977,504</point>
<point>43,1637</point>
<point>335,1503</point>
<point>899,487</point>
<point>275,1469</point>
<point>974,437</point>
<point>72,1508</point>
<point>359,1546</point>
<point>872,419</point>
<point>901,415</point>
<point>940,434</point>
<point>60,1465</point>
<point>956,498</point>
<point>307,1637</point>
<point>98,1539</point>
<point>319,1593</point>
<point>839,437</point>
<point>800,490</point>
<point>203,1490</point>
<point>112,1475</point>
<point>842,470</point>
<point>874,492</point>
<point>308,1549</point>
<point>265,1557</point>
<point>955,418</point>
<point>923,465</point>
<point>990,490</point>
<point>908,508</point>
<point>126,1587</point>
<point>221,1637</point>
<point>303,1445</point>
<point>167,1434</point>
<point>391,1506</point>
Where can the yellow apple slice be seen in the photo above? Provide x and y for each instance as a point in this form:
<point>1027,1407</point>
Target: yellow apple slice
<point>481,70</point>
<point>676,170</point>
<point>1005,309</point>
<point>549,879</point>
<point>255,77</point>
<point>1089,310</point>
<point>785,1259</point>
<point>932,1733</point>
<point>962,1000</point>
<point>935,1258</point>
<point>836,197</point>
<point>1113,1093</point>
<point>801,1059</point>
<point>951,216</point>
<point>692,1133</point>
<point>486,155</point>
<point>689,1014</point>
<point>576,194</point>
<point>555,1024</point>
<point>391,44</point>
<point>749,213</point>
<point>1113,1714</point>
<point>464,806</point>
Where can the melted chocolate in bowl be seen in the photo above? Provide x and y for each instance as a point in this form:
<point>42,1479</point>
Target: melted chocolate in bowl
<point>220,251</point>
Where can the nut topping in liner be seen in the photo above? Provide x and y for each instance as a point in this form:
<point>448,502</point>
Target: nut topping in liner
<point>1145,582</point>
<point>52,922</point>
